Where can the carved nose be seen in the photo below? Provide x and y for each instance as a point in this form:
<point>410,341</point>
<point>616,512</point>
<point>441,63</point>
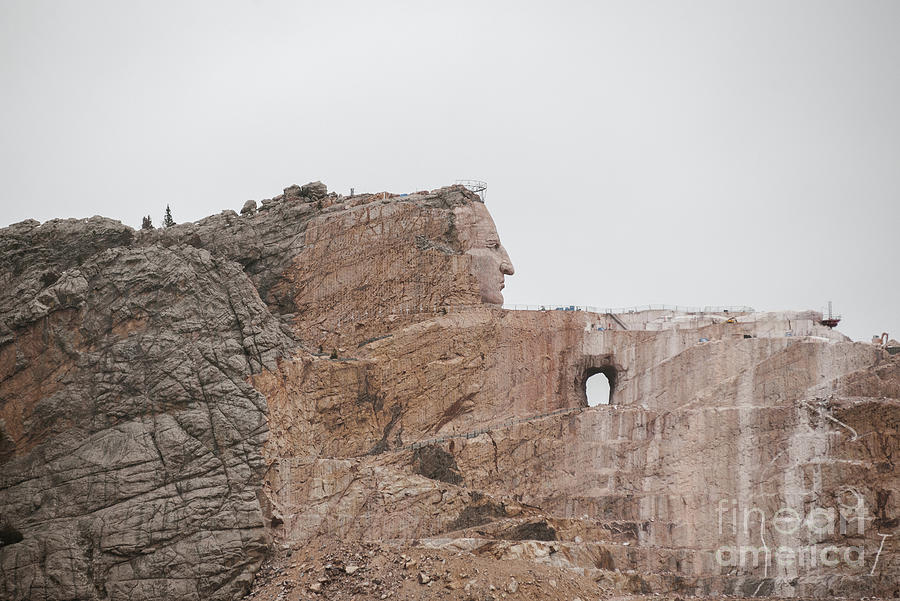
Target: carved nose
<point>506,266</point>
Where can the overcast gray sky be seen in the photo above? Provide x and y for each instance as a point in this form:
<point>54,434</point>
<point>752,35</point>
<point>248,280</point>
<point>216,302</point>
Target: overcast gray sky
<point>694,152</point>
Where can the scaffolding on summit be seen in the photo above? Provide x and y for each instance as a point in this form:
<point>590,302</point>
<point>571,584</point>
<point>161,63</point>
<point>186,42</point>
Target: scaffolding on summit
<point>829,318</point>
<point>474,185</point>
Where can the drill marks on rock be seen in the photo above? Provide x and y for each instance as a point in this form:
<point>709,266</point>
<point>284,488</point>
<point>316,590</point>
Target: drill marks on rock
<point>458,408</point>
<point>382,445</point>
<point>824,413</point>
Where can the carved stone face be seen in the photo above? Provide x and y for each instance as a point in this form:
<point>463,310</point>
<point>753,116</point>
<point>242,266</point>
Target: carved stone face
<point>479,238</point>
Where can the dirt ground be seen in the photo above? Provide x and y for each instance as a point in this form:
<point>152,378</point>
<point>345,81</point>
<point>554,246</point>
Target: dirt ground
<point>406,573</point>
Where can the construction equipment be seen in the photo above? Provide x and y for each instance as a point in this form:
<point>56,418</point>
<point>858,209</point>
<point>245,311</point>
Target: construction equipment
<point>618,321</point>
<point>830,320</point>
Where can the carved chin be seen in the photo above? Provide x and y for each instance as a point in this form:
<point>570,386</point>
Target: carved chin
<point>493,297</point>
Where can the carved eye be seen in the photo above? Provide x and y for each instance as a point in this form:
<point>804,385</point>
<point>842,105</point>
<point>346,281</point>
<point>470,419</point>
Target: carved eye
<point>493,244</point>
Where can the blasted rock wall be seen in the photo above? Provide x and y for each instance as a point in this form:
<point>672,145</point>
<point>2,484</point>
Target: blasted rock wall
<point>755,423</point>
<point>765,412</point>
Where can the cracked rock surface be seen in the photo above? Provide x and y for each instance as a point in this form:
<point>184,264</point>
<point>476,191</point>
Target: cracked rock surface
<point>130,438</point>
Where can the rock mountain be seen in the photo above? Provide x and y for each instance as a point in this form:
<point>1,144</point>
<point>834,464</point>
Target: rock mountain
<point>185,412</point>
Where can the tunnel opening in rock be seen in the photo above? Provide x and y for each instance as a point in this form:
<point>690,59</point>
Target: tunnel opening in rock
<point>599,386</point>
<point>9,535</point>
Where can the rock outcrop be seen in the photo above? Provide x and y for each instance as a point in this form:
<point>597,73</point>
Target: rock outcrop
<point>130,466</point>
<point>179,404</point>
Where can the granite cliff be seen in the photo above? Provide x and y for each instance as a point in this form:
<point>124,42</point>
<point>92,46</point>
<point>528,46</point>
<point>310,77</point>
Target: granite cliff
<point>322,395</point>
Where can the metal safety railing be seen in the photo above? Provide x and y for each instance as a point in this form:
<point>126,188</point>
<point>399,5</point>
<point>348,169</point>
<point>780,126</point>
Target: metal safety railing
<point>416,309</point>
<point>626,310</point>
<point>474,185</point>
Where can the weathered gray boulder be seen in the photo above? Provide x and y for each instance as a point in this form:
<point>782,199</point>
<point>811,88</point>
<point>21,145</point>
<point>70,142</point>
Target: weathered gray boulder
<point>249,207</point>
<point>314,190</point>
<point>308,192</point>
